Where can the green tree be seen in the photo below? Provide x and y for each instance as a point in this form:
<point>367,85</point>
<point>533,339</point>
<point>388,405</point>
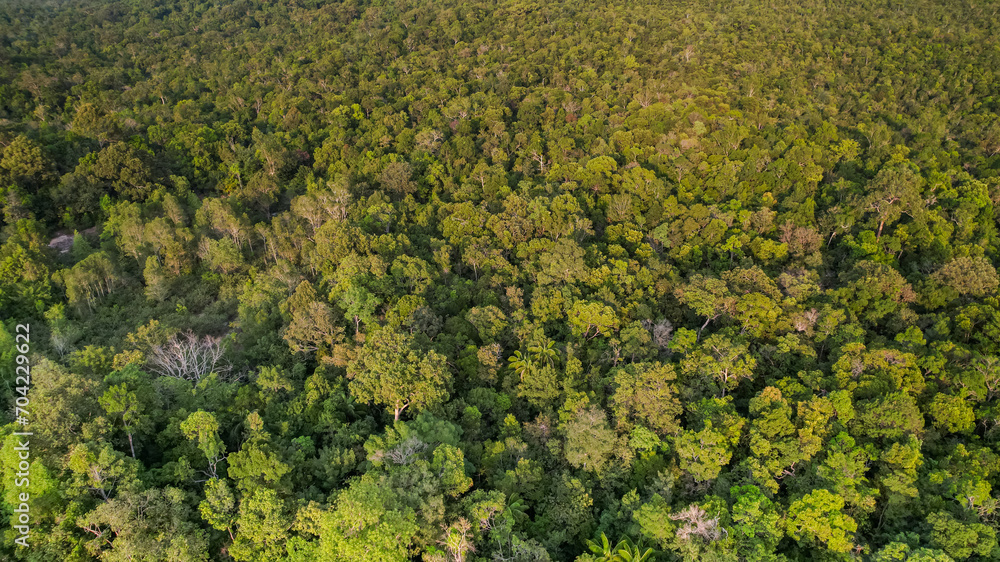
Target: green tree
<point>960,539</point>
<point>773,438</point>
<point>722,359</point>
<point>893,192</point>
<point>203,428</point>
<point>589,440</point>
<point>756,523</point>
<point>150,524</point>
<point>218,508</point>
<point>645,393</point>
<point>951,413</point>
<point>966,275</point>
<point>262,527</point>
<point>703,454</point>
<point>121,403</point>
<point>365,523</point>
<point>312,326</point>
<point>818,518</point>
<point>26,164</point>
<point>592,319</point>
<point>845,467</point>
<point>624,551</point>
<point>391,371</point>
<point>708,297</point>
<point>359,304</point>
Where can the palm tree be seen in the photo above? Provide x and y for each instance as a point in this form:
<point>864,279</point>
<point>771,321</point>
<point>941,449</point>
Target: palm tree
<point>634,553</point>
<point>624,551</point>
<point>520,363</point>
<point>516,509</point>
<point>604,551</point>
<point>546,354</point>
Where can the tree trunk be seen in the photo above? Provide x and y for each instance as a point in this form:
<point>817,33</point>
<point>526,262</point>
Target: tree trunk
<point>702,329</point>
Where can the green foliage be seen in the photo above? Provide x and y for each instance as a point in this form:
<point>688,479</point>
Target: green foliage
<point>715,278</point>
<point>958,539</point>
<point>391,372</point>
<point>262,524</point>
<point>624,551</point>
<point>756,528</point>
<point>645,393</point>
<point>589,440</point>
<point>365,523</point>
<point>203,428</point>
<point>818,517</point>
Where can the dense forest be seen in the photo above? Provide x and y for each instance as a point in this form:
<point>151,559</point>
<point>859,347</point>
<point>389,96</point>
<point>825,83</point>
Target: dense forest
<point>505,280</point>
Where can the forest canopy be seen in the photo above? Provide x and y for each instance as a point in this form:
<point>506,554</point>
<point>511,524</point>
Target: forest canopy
<point>501,281</point>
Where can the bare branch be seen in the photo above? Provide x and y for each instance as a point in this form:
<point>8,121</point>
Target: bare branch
<point>189,357</point>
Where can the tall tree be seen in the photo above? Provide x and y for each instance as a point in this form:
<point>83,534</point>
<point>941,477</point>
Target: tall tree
<point>391,371</point>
